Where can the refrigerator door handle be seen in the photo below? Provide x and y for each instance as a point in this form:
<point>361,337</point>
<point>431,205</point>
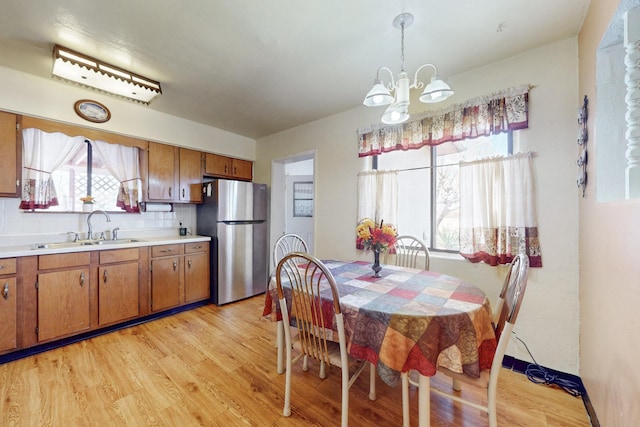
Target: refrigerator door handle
<point>253,221</point>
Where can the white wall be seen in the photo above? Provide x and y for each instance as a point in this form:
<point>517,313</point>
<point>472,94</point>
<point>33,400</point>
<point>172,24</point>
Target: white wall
<point>549,318</point>
<point>609,267</point>
<point>52,99</point>
<point>35,96</point>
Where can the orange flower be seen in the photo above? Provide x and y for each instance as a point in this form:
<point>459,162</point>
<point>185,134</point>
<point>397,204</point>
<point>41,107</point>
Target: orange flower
<point>376,237</point>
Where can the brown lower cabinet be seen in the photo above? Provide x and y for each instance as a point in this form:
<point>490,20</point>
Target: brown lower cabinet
<point>62,285</point>
<point>46,299</point>
<point>8,304</point>
<point>179,274</point>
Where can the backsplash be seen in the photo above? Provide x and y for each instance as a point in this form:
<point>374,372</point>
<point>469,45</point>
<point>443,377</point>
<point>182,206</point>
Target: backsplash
<point>20,228</point>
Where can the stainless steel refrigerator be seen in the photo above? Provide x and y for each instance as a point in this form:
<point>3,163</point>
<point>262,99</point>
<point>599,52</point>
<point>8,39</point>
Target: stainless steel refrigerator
<point>234,214</point>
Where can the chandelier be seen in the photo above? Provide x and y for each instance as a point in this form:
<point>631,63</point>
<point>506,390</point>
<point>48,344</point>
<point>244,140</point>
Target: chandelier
<point>398,104</point>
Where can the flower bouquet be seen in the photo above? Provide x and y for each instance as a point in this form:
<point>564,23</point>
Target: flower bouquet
<point>378,238</point>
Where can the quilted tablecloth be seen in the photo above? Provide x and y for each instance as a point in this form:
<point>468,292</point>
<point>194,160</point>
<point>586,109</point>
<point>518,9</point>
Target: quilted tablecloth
<point>409,319</point>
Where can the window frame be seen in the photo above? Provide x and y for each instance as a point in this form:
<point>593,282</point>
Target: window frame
<point>433,172</point>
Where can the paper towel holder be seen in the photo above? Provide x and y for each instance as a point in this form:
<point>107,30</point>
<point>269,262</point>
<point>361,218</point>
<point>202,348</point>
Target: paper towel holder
<point>157,207</point>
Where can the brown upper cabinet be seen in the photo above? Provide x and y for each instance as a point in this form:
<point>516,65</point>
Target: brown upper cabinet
<point>162,170</point>
<point>10,160</point>
<point>227,167</point>
<point>190,176</point>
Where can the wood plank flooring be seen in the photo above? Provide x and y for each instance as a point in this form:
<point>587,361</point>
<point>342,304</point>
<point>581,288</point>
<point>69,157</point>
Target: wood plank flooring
<point>215,366</point>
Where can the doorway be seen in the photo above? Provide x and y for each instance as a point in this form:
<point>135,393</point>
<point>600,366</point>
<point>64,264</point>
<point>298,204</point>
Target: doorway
<point>293,197</point>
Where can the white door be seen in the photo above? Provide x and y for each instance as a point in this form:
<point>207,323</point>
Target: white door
<point>300,207</point>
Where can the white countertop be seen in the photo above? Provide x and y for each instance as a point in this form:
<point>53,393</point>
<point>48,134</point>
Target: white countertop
<point>31,249</point>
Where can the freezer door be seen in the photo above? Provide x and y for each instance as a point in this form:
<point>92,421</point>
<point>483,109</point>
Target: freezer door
<point>235,200</point>
<point>242,261</point>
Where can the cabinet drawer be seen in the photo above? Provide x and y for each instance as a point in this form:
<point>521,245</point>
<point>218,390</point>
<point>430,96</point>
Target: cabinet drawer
<point>164,250</point>
<point>46,262</point>
<point>7,266</point>
<point>190,248</point>
<point>119,255</point>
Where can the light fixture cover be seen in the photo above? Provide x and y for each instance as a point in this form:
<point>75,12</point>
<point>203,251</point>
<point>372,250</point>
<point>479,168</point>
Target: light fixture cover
<point>378,95</point>
<point>92,73</point>
<point>435,91</point>
<point>395,114</point>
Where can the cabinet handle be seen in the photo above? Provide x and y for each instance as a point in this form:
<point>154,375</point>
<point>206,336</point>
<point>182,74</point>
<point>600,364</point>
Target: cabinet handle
<point>197,247</point>
<point>166,250</point>
<point>183,193</point>
<point>189,263</point>
<point>105,275</point>
<point>235,170</point>
<point>225,169</point>
<point>175,265</point>
<point>170,192</point>
<point>82,278</point>
<point>5,291</point>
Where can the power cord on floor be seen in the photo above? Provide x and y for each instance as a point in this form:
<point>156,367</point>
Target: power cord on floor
<point>539,375</point>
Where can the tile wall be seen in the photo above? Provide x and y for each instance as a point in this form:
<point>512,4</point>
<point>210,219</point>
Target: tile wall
<point>20,228</point>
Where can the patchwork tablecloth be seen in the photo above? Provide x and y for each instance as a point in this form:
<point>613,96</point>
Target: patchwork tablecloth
<point>409,319</point>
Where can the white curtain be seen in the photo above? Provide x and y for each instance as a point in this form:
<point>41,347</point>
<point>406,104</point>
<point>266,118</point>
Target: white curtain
<point>43,153</point>
<point>498,217</point>
<point>124,164</point>
<point>378,196</point>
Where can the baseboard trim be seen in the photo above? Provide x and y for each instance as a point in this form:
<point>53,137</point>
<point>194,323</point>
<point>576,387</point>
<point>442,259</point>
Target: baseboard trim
<point>520,366</point>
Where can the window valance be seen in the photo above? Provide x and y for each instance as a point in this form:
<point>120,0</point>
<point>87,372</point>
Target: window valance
<point>491,114</point>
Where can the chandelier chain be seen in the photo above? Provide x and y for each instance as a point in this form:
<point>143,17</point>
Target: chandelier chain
<point>402,46</point>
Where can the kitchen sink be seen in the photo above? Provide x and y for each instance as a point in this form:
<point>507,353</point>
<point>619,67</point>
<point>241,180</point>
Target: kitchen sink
<point>117,241</point>
<point>83,243</point>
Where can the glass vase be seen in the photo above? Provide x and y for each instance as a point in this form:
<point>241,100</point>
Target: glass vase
<point>376,263</point>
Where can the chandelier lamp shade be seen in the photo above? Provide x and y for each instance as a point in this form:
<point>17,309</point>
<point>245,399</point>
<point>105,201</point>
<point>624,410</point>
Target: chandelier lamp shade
<point>398,102</point>
<point>92,73</point>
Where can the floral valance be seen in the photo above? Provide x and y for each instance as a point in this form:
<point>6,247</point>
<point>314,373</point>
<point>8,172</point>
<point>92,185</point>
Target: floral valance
<point>492,114</point>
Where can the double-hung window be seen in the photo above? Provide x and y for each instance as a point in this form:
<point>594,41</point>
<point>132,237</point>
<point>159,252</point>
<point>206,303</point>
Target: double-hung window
<point>428,187</point>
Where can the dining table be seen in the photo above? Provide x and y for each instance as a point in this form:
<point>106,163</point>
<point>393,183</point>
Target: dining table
<point>406,319</point>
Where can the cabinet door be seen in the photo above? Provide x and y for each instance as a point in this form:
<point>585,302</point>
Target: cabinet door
<point>190,176</point>
<point>10,163</point>
<point>162,172</point>
<point>8,312</point>
<point>242,169</point>
<point>117,292</point>
<point>63,303</point>
<point>196,277</point>
<point>165,283</point>
<point>217,165</point>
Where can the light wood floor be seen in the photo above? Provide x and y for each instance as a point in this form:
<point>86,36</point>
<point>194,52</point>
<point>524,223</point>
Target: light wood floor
<point>215,366</point>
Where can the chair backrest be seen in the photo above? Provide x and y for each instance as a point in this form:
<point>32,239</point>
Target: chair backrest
<point>306,277</point>
<point>286,244</point>
<point>411,252</point>
<point>512,293</point>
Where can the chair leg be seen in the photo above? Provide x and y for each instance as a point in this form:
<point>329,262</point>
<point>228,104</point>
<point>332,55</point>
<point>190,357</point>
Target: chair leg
<point>287,385</point>
<point>491,404</point>
<point>405,399</point>
<point>457,386</point>
<point>345,395</point>
<point>280,345</point>
<point>372,381</point>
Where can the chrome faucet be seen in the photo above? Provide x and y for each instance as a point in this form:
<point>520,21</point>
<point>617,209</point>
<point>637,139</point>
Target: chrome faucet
<point>90,230</point>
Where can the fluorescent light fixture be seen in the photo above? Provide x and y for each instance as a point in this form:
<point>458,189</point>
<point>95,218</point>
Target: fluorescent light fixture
<point>89,72</point>
<point>398,110</point>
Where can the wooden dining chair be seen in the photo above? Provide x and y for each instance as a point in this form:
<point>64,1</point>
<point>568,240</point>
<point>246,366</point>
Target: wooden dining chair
<point>410,252</point>
<point>286,244</point>
<point>505,316</point>
<point>299,277</point>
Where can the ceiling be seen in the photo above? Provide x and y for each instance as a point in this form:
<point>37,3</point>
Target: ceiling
<point>259,67</point>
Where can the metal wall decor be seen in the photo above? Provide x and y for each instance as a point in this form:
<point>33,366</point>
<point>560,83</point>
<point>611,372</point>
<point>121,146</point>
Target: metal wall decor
<point>583,113</point>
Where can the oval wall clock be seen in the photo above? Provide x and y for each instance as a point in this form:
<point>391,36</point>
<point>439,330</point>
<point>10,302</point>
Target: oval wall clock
<point>92,111</point>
